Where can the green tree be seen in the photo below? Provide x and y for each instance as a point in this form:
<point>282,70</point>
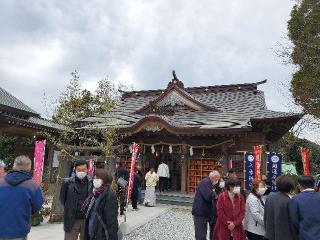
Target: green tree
<point>315,159</point>
<point>295,156</point>
<point>290,146</point>
<point>304,32</point>
<point>76,103</point>
<point>7,145</point>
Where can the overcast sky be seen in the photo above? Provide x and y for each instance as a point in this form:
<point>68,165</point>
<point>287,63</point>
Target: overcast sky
<point>139,43</point>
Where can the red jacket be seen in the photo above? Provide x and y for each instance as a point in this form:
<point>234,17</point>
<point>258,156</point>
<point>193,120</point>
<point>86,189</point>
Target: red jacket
<point>228,212</point>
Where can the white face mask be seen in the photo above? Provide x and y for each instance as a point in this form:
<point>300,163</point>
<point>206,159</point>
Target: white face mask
<point>97,183</point>
<point>215,182</point>
<point>236,190</point>
<point>222,184</point>
<point>262,191</point>
<point>81,175</point>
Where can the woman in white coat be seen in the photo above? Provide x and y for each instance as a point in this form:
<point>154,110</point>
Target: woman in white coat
<point>151,183</point>
<point>253,222</point>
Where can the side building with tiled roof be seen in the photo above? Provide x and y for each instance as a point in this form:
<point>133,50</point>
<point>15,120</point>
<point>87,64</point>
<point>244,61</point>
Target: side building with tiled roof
<point>19,120</point>
<point>200,126</point>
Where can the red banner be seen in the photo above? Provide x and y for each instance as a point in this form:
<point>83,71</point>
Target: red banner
<point>230,164</point>
<point>305,161</point>
<point>257,151</point>
<point>134,157</point>
<point>38,161</point>
<point>91,168</point>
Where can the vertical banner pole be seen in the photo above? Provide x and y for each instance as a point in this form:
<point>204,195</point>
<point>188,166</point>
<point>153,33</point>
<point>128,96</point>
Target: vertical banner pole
<point>274,168</point>
<point>135,149</point>
<point>257,150</point>
<point>244,169</point>
<point>305,161</point>
<point>91,167</point>
<point>249,169</point>
<point>39,151</point>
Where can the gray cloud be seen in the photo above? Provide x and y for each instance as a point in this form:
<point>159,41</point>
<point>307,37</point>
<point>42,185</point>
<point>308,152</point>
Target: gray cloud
<point>139,42</point>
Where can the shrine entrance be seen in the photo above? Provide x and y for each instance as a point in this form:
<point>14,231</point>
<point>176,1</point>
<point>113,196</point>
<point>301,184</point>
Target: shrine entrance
<point>172,160</point>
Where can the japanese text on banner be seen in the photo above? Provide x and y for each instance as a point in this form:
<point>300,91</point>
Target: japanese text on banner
<point>274,168</point>
<point>249,169</point>
<point>257,162</point>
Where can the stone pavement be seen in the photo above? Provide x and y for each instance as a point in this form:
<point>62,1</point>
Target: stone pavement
<point>175,224</point>
<point>135,219</point>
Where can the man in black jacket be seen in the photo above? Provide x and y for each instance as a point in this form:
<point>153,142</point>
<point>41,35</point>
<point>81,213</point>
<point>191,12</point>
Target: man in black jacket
<point>74,191</point>
<point>121,172</point>
<point>135,189</point>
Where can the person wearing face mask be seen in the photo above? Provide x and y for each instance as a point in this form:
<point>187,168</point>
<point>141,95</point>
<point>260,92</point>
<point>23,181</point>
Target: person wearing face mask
<point>202,210</point>
<point>101,208</point>
<point>218,187</point>
<point>253,223</point>
<point>74,191</point>
<point>231,212</point>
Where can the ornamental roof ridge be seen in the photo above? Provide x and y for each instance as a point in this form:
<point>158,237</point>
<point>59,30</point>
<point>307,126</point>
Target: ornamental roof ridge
<point>194,90</point>
<point>174,95</point>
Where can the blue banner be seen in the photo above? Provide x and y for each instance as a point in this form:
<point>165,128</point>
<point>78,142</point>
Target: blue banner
<point>274,168</point>
<point>249,169</point>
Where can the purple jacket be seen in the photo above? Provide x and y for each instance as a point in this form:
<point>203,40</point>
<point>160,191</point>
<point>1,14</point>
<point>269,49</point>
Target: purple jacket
<point>202,205</point>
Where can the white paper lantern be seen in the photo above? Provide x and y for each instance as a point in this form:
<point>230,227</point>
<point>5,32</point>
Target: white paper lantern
<point>170,149</point>
<point>153,149</point>
<point>191,152</point>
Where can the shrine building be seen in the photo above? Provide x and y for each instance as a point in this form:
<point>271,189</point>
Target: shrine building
<point>193,129</point>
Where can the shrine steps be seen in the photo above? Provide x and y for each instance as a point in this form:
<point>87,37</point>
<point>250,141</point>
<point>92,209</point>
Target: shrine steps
<point>175,198</point>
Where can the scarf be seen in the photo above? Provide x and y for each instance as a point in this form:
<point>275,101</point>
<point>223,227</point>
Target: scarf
<point>90,199</point>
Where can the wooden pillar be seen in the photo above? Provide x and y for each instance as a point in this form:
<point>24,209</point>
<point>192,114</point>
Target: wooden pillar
<point>47,167</point>
<point>184,178</point>
<point>57,208</point>
<point>224,163</point>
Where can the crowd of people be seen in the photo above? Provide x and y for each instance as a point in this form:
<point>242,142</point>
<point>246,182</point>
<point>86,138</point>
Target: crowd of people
<point>91,204</point>
<point>262,214</point>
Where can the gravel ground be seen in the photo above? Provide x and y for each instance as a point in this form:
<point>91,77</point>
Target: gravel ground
<point>176,224</point>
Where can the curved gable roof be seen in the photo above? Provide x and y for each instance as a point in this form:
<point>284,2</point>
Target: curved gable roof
<point>175,95</point>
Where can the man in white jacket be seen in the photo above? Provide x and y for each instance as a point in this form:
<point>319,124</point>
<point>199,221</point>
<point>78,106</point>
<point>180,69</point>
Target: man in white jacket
<point>164,175</point>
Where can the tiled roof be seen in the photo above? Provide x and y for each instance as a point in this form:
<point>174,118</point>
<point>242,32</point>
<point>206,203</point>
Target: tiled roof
<point>13,107</point>
<point>235,109</point>
<point>46,123</point>
<point>8,100</point>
